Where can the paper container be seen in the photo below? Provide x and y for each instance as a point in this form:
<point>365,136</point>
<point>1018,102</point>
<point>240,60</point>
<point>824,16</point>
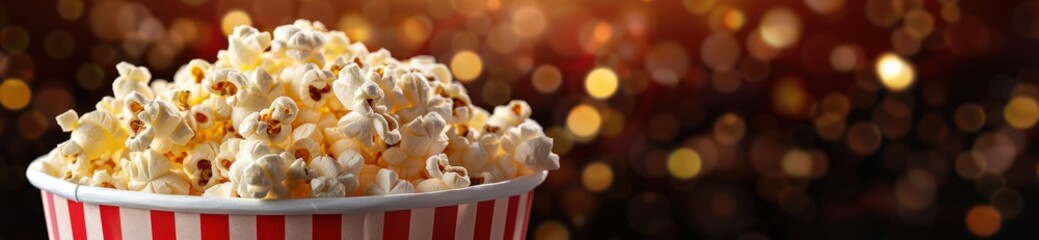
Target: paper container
<point>490,211</point>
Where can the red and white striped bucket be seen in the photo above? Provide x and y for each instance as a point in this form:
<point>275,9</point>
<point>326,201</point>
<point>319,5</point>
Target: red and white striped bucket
<point>491,211</point>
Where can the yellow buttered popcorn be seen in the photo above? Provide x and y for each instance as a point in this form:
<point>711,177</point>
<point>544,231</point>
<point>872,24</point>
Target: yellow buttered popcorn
<point>297,112</point>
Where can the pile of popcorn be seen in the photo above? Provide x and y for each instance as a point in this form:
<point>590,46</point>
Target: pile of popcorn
<point>306,113</point>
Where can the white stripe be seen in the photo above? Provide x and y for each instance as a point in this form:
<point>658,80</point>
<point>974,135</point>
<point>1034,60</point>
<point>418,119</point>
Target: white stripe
<point>188,226</point>
<point>47,215</point>
<point>61,210</point>
<point>421,226</point>
<point>466,221</point>
<point>92,220</point>
<point>298,227</point>
<point>498,220</point>
<point>373,225</point>
<point>353,226</point>
<point>136,223</point>
<point>241,226</point>
<point>521,216</point>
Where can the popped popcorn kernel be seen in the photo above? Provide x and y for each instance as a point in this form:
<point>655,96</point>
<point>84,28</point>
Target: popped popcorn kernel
<point>297,112</point>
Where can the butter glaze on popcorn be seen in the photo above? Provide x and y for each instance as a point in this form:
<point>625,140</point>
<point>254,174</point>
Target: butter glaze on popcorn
<point>300,112</point>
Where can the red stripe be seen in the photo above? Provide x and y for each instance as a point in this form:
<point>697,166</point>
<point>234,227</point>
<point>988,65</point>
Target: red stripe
<point>270,227</point>
<point>484,217</point>
<point>510,217</point>
<point>79,227</point>
<point>111,227</point>
<point>444,219</point>
<point>163,226</point>
<point>396,224</point>
<point>526,222</point>
<point>54,217</point>
<point>326,226</point>
<point>214,226</point>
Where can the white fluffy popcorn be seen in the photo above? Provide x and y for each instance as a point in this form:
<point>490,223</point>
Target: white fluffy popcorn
<point>294,113</point>
<point>442,175</point>
<point>149,171</point>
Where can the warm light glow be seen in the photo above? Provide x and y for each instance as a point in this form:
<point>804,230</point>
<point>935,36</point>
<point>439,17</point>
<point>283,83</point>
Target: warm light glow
<point>1022,112</point>
<point>780,27</point>
<point>415,30</point>
<point>233,19</point>
<point>984,220</point>
<point>547,78</point>
<point>528,22</point>
<point>466,65</point>
<point>684,163</point>
<point>584,121</point>
<point>844,58</point>
<point>597,176</point>
<point>355,27</point>
<point>797,163</point>
<point>894,72</point>
<point>14,94</point>
<point>601,83</point>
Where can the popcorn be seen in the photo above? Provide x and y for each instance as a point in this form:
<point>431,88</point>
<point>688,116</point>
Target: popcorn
<point>131,78</point>
<point>163,128</point>
<point>306,142</point>
<point>294,113</point>
<point>317,89</point>
<point>528,145</point>
<point>507,116</point>
<point>421,138</point>
<point>332,179</point>
<point>245,46</point>
<point>149,171</point>
<point>257,173</point>
<point>225,190</point>
<point>460,110</point>
<point>386,182</point>
<point>442,175</point>
<point>270,124</point>
<point>201,167</point>
<point>96,134</point>
<point>421,98</point>
<point>367,121</point>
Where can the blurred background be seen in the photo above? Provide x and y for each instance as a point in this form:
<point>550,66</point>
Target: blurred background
<point>851,119</point>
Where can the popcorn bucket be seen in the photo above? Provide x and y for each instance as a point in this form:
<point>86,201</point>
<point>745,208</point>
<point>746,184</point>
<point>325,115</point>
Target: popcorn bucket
<point>490,211</point>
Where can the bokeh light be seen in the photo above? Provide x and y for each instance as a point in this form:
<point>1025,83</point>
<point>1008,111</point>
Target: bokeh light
<point>983,221</point>
<point>601,83</point>
<point>234,18</point>
<point>597,176</point>
<point>14,94</point>
<point>780,27</point>
<point>894,72</point>
<point>466,65</point>
<point>584,121</point>
<point>547,78</point>
<point>684,163</point>
<point>1021,112</point>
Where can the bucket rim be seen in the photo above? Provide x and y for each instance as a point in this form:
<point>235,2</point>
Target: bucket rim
<point>304,206</point>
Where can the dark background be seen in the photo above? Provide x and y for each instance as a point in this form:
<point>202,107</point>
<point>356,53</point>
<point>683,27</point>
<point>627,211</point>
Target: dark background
<point>893,164</point>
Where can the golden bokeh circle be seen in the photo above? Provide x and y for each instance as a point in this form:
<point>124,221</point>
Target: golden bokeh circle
<point>684,163</point>
<point>233,19</point>
<point>597,176</point>
<point>1021,112</point>
<point>466,65</point>
<point>547,78</point>
<point>894,72</point>
<point>14,94</point>
<point>601,83</point>
<point>584,121</point>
